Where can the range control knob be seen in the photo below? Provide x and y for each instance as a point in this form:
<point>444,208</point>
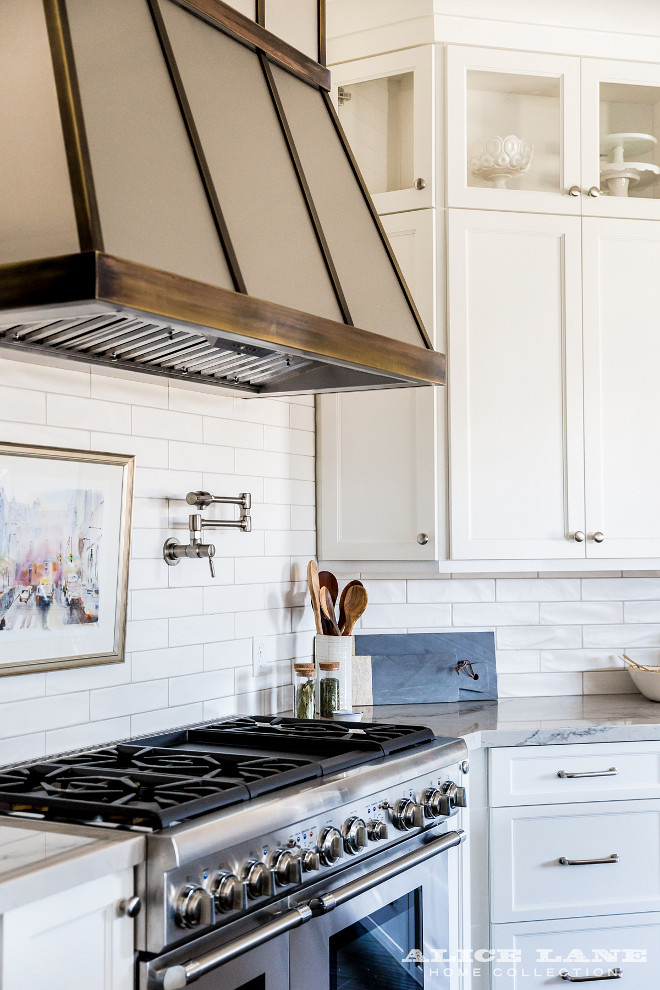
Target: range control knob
<point>311,861</point>
<point>194,906</point>
<point>259,879</point>
<point>229,893</point>
<point>287,867</point>
<point>457,796</point>
<point>376,830</point>
<point>436,803</point>
<point>354,832</point>
<point>331,846</point>
<point>407,814</point>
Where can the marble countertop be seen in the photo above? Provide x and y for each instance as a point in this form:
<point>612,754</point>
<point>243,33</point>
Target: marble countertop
<point>533,721</point>
<point>42,858</point>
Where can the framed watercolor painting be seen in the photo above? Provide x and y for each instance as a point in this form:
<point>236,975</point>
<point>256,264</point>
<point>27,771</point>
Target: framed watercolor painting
<point>65,518</point>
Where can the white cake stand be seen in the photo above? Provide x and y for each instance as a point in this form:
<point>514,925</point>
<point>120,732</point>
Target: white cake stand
<point>618,173</point>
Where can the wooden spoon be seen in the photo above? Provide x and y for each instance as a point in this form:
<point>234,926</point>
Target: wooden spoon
<point>329,581</point>
<point>342,602</point>
<point>328,609</point>
<point>354,605</point>
<point>315,594</point>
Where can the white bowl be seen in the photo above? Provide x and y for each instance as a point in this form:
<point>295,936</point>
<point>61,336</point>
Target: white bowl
<point>499,159</point>
<point>348,716</point>
<point>647,681</point>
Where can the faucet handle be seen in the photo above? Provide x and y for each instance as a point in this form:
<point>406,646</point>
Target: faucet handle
<point>212,565</point>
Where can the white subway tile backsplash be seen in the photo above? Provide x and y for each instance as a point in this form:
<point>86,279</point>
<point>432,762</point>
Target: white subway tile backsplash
<point>384,592</point>
<point>289,491</point>
<point>23,405</point>
<point>641,611</point>
<point>166,718</point>
<point>231,653</point>
<point>150,634</point>
<point>236,598</point>
<point>200,629</point>
<point>99,676</point>
<point>206,403</point>
<point>52,712</point>
<point>518,662</point>
<point>198,687</point>
<point>588,659</point>
<point>135,392</point>
<point>19,688</point>
<point>164,603</point>
<point>301,417</point>
<point>534,685</point>
<point>54,436</point>
<point>128,699</point>
<point>19,748</point>
<point>409,617</point>
<point>622,636</point>
<point>608,682</point>
<point>293,543</point>
<point>148,452</point>
<point>105,417</point>
<point>289,441</point>
<point>230,433</point>
<point>172,662</point>
<point>538,590</point>
<point>538,637</point>
<point>583,613</point>
<point>88,734</point>
<point>274,464</point>
<point>266,411</point>
<point>167,424</point>
<point>45,377</point>
<point>496,614</point>
<point>620,589</point>
<point>200,457</point>
<point>451,591</point>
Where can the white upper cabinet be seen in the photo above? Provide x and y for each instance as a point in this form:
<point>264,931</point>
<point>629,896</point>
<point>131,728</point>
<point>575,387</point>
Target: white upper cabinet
<point>621,266</point>
<point>621,139</point>
<point>386,106</point>
<point>515,386</point>
<point>513,131</point>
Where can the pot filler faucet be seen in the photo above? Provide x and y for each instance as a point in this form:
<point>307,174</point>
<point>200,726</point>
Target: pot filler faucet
<point>174,552</point>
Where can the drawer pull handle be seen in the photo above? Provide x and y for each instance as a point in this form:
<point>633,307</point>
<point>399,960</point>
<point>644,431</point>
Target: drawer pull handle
<point>612,772</point>
<point>614,974</point>
<point>614,858</point>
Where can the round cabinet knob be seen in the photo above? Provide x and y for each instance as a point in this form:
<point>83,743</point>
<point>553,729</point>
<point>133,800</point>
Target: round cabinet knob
<point>354,832</point>
<point>594,192</point>
<point>287,867</point>
<point>229,893</point>
<point>331,846</point>
<point>578,536</point>
<point>259,880</point>
<point>422,539</point>
<point>130,907</point>
<point>407,814</point>
<point>194,906</point>
<point>599,537</point>
<point>574,191</point>
<point>311,861</point>
<point>457,796</point>
<point>436,804</point>
<point>376,830</point>
<point>420,183</point>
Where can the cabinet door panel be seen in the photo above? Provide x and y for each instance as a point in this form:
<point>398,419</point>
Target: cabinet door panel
<point>515,386</point>
<point>530,883</point>
<point>580,947</point>
<point>622,394</point>
<point>412,236</point>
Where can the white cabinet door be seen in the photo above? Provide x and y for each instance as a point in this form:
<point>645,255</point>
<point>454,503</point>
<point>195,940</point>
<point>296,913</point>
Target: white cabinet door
<point>580,861</point>
<point>76,940</point>
<point>386,105</point>
<point>532,955</point>
<point>377,452</point>
<point>515,386</point>
<point>621,267</point>
<point>620,139</point>
<point>496,99</point>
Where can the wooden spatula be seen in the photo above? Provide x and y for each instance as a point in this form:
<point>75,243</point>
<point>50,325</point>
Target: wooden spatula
<point>328,609</point>
<point>329,581</point>
<point>315,594</point>
<point>354,606</point>
<point>342,602</point>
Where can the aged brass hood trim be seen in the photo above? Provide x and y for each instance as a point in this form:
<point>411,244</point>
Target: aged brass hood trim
<point>96,307</point>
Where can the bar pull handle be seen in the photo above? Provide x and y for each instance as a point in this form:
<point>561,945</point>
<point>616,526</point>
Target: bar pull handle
<point>614,858</point>
<point>614,974</point>
<point>612,772</point>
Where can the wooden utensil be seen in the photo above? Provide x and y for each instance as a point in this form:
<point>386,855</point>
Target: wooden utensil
<point>342,602</point>
<point>328,609</point>
<point>354,605</point>
<point>315,594</point>
<point>329,581</point>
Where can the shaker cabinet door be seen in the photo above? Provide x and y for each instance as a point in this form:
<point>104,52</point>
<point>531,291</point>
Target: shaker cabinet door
<point>515,386</point>
<point>621,262</point>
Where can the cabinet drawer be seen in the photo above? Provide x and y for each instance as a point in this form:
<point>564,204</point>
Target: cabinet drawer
<point>531,774</point>
<point>530,883</point>
<point>541,950</point>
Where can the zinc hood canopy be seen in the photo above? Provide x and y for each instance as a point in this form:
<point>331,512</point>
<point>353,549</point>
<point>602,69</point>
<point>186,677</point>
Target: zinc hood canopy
<point>177,197</point>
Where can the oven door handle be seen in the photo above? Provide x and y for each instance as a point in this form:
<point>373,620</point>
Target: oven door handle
<point>177,977</point>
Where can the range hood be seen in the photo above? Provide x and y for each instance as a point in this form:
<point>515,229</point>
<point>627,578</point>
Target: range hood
<point>177,198</point>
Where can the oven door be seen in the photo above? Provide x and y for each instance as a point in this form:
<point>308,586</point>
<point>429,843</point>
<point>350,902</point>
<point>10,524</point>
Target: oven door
<point>396,935</point>
<point>265,967</point>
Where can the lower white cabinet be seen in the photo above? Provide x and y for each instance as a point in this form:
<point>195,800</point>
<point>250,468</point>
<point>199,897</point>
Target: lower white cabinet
<point>535,954</point>
<point>74,940</point>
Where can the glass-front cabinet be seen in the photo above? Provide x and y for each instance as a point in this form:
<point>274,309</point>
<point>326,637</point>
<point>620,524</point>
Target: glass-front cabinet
<point>513,131</point>
<point>386,106</point>
<point>621,138</point>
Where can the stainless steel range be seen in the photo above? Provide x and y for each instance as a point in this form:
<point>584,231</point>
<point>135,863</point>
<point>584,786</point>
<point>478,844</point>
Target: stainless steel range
<point>281,853</point>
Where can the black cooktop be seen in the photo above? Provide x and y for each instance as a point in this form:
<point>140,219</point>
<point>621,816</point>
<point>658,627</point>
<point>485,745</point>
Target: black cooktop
<point>156,781</point>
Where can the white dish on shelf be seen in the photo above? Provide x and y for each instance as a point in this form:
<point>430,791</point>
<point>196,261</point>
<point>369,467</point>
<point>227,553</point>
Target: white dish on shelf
<point>618,145</point>
<point>499,159</point>
<point>619,176</point>
<point>647,681</point>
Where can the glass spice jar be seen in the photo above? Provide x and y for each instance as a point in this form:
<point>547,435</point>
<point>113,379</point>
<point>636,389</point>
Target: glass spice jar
<point>329,693</point>
<point>304,683</point>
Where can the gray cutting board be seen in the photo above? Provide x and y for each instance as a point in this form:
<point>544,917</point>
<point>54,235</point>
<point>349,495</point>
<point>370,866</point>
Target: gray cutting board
<point>419,668</point>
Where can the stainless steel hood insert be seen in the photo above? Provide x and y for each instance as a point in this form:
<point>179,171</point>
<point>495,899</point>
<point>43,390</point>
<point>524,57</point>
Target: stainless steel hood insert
<point>178,198</point>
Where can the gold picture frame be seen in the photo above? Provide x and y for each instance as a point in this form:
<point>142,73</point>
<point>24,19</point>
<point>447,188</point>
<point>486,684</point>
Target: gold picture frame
<point>65,525</point>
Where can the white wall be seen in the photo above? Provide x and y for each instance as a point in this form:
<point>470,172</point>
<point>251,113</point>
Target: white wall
<point>189,638</point>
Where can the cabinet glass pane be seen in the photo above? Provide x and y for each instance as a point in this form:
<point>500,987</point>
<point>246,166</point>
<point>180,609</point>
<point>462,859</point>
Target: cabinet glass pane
<point>377,116</point>
<point>513,131</point>
<point>629,132</point>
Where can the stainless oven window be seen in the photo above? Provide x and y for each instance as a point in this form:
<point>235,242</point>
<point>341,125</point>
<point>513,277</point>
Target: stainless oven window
<point>258,984</point>
<point>378,950</point>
